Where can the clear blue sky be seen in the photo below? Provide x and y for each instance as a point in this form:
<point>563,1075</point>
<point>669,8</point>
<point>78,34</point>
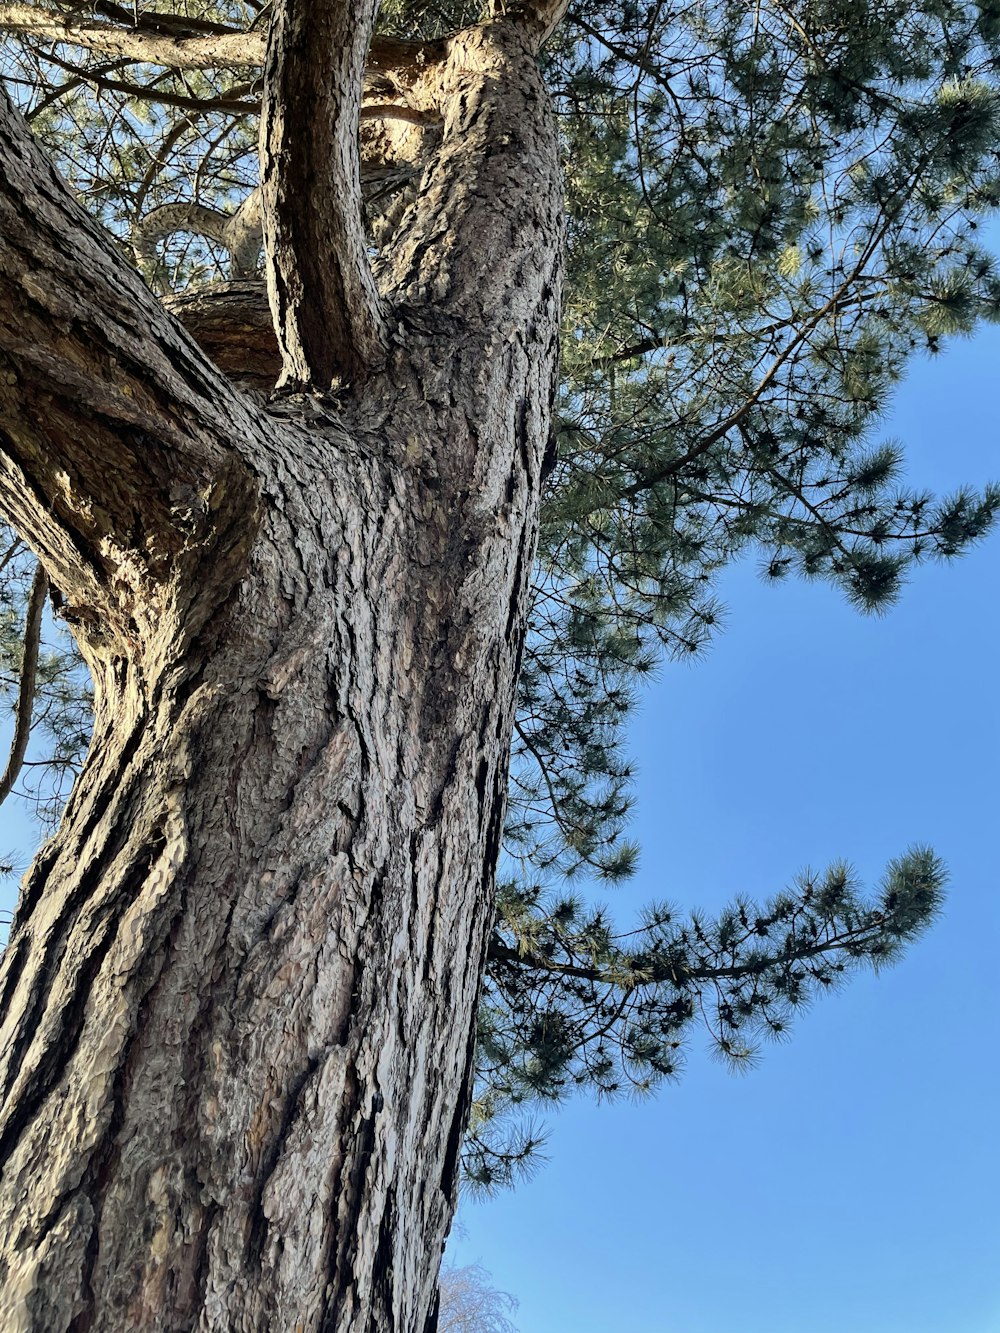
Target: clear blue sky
<point>852,1181</point>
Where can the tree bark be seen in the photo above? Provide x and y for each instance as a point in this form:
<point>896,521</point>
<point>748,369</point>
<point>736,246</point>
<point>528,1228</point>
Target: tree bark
<point>145,41</point>
<point>238,1002</point>
<point>328,314</point>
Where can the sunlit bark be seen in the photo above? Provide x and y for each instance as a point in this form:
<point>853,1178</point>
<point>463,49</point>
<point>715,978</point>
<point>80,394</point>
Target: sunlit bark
<point>239,998</point>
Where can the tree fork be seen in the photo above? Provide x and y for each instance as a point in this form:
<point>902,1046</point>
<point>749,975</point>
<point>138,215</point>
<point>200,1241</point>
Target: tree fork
<point>239,999</point>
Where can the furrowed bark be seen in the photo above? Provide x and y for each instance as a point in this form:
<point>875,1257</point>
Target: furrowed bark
<point>328,313</point>
<point>112,506</point>
<point>238,1004</point>
<point>231,321</point>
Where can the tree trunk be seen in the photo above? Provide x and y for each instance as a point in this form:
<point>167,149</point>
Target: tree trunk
<point>238,1003</point>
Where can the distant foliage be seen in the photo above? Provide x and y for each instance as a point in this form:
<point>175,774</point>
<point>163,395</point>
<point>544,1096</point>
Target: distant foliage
<point>469,1304</point>
<point>61,707</point>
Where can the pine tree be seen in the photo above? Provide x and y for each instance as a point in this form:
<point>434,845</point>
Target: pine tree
<point>367,595</point>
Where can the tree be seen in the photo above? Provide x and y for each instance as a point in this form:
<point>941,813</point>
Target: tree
<point>470,1305</point>
<point>302,547</point>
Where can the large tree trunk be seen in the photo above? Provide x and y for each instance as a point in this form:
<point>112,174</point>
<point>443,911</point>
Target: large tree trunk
<point>238,1002</point>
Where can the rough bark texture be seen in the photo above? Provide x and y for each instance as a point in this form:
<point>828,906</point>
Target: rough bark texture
<point>238,1000</point>
<point>537,19</point>
<point>182,42</point>
<point>231,321</point>
<point>328,314</point>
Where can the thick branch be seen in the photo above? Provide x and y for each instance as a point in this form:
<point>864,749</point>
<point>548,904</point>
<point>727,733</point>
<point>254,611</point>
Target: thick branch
<point>170,218</point>
<point>243,235</point>
<point>238,100</point>
<point>177,42</point>
<point>232,323</point>
<point>134,15</point>
<point>239,232</point>
<point>537,18</point>
<point>233,50</point>
<point>114,429</point>
<point>26,685</point>
<point>327,311</point>
<point>391,55</point>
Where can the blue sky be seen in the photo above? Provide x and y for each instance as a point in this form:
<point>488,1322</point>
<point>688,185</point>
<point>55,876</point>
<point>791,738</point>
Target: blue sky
<point>851,1181</point>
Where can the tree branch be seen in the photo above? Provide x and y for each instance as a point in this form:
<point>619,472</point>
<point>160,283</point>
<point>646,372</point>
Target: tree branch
<point>26,686</point>
<point>135,15</point>
<point>394,111</point>
<point>390,55</point>
<point>170,218</point>
<point>501,953</point>
<point>178,42</point>
<point>234,50</point>
<point>231,322</point>
<point>54,94</point>
<point>241,233</point>
<point>681,975</point>
<point>537,18</point>
<point>328,314</point>
<point>243,236</point>
<point>233,99</point>
<point>238,100</point>
<point>114,429</point>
